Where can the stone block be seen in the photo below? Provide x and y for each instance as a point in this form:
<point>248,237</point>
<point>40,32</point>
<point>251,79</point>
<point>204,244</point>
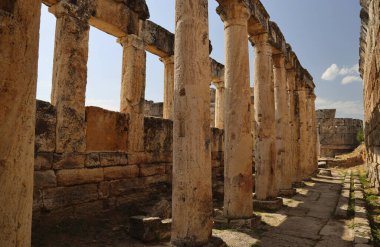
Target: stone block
<point>113,159</point>
<point>104,190</point>
<point>152,169</point>
<point>106,130</point>
<point>46,116</point>
<point>60,197</point>
<point>125,186</point>
<point>44,179</point>
<point>146,229</point>
<point>158,135</point>
<point>92,160</point>
<point>68,161</point>
<point>121,172</point>
<point>79,176</point>
<point>165,229</point>
<point>43,161</point>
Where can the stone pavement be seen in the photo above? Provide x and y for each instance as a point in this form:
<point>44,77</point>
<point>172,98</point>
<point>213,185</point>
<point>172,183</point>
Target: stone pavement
<point>306,220</point>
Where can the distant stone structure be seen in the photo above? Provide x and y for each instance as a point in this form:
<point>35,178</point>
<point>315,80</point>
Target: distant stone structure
<point>369,70</point>
<point>337,135</point>
<point>153,109</point>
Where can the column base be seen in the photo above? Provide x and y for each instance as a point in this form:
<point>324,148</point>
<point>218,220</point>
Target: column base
<point>250,222</point>
<point>325,172</point>
<point>299,184</point>
<point>288,192</point>
<point>270,204</point>
<point>213,242</point>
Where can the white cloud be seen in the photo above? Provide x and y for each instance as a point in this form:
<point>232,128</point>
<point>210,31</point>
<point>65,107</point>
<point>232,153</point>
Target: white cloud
<point>331,73</point>
<point>354,70</point>
<point>348,74</point>
<point>350,78</point>
<point>344,108</point>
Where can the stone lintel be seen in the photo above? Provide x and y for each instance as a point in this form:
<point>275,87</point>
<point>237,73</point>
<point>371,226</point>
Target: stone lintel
<point>217,72</point>
<point>157,39</point>
<point>82,11</point>
<point>259,21</point>
<point>277,39</point>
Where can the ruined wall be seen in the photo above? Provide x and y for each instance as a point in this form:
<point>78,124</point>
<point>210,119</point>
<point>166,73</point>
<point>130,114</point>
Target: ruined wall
<point>337,135</point>
<point>153,109</point>
<point>106,175</point>
<point>369,69</point>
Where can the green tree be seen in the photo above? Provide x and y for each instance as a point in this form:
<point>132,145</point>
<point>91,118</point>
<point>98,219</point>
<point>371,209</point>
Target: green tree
<point>360,136</point>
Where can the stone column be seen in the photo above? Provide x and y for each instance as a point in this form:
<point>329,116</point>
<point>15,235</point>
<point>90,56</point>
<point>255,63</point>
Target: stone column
<point>303,137</point>
<point>237,128</point>
<point>283,179</point>
<point>219,104</point>
<point>168,87</point>
<point>70,76</point>
<point>19,28</point>
<point>132,97</point>
<point>293,125</point>
<point>192,195</point>
<point>265,149</point>
<point>314,131</point>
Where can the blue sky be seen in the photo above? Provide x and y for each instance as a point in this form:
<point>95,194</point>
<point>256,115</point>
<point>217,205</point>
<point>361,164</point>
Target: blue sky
<point>323,33</point>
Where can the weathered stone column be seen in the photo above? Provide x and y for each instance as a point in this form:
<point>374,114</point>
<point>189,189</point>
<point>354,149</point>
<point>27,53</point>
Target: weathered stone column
<point>192,195</point>
<point>313,133</point>
<point>168,87</point>
<point>132,97</point>
<point>70,75</point>
<point>19,28</point>
<point>265,149</point>
<point>237,128</point>
<point>303,137</point>
<point>293,125</point>
<point>283,179</point>
<point>219,105</point>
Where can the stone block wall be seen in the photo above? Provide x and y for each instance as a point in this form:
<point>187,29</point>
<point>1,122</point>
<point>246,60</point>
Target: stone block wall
<point>153,109</point>
<point>337,135</point>
<point>106,176</point>
<point>369,69</point>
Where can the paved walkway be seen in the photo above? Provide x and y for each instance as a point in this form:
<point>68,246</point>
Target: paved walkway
<point>305,221</point>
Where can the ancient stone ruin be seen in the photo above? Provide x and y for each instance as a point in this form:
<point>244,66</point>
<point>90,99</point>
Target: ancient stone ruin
<point>65,159</point>
<point>369,69</point>
<point>337,135</point>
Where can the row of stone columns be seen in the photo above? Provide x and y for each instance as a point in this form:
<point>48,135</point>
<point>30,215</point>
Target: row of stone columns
<point>283,155</point>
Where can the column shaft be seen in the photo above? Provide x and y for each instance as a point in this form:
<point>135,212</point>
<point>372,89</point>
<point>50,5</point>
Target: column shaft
<point>303,137</point>
<point>168,87</point>
<point>192,195</point>
<point>19,28</point>
<point>265,150</point>
<point>237,128</point>
<point>219,105</point>
<point>284,181</point>
<point>70,79</point>
<point>132,97</point>
<point>293,126</point>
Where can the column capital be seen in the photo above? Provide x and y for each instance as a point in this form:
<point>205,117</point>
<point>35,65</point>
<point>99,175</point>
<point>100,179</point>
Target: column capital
<point>167,60</point>
<point>219,84</point>
<point>81,11</point>
<point>259,39</point>
<point>233,12</point>
<point>131,40</point>
<point>279,60</point>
